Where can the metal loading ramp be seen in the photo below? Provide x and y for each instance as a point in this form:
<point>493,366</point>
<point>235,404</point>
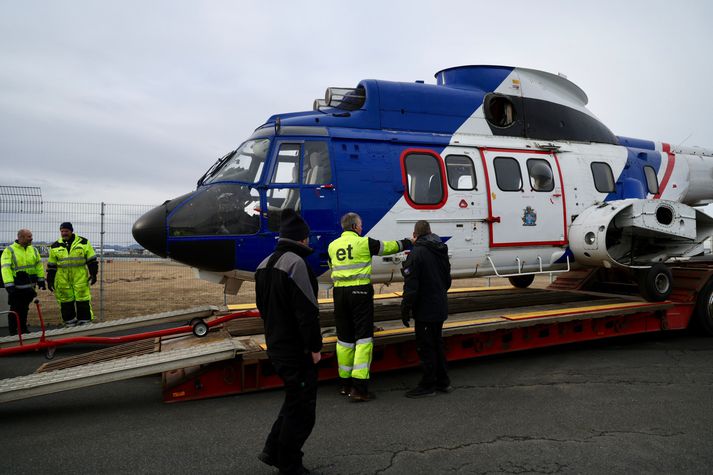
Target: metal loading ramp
<point>199,352</point>
<point>100,328</point>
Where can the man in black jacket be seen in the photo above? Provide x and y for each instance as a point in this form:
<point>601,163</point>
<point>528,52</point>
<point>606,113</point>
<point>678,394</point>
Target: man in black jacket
<point>427,278</point>
<point>286,294</point>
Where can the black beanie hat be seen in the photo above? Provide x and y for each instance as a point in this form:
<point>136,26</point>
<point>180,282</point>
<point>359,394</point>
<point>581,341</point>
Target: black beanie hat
<point>292,226</point>
<point>66,225</point>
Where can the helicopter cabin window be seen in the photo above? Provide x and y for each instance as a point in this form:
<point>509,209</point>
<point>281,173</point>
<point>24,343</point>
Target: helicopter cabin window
<point>603,177</point>
<point>652,181</point>
<point>507,174</point>
<point>425,182</point>
<point>541,177</point>
<point>461,173</point>
<point>316,168</point>
<point>499,110</point>
<point>245,164</point>
<point>287,167</point>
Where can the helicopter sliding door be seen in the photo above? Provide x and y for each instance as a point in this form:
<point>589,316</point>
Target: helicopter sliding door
<point>525,198</point>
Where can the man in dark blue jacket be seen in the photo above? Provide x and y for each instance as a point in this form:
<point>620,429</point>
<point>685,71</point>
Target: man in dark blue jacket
<point>427,278</point>
<point>286,295</point>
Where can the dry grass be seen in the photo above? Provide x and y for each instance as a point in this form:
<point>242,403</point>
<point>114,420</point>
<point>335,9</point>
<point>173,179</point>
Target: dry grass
<point>141,287</point>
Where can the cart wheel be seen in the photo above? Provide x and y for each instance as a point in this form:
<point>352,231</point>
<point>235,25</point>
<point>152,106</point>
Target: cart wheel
<point>200,329</point>
<point>49,353</point>
<point>655,284</point>
<point>521,281</point>
<point>703,312</point>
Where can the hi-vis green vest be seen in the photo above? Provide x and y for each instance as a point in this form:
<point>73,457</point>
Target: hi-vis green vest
<point>16,258</point>
<point>350,257</point>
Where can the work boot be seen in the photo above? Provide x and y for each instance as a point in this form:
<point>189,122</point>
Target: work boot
<point>70,323</point>
<point>361,396</point>
<point>419,392</point>
<point>344,390</point>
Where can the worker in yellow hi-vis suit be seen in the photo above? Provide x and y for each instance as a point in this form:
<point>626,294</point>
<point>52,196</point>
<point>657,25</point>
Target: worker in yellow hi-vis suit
<point>72,266</point>
<point>350,261</point>
<point>21,270</point>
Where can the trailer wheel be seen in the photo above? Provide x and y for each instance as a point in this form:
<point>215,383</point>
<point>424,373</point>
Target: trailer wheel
<point>521,281</point>
<point>200,329</point>
<point>656,283</point>
<point>703,312</point>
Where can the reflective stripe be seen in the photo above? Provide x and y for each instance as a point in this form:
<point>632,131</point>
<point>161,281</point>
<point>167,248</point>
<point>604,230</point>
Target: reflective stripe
<point>381,248</point>
<point>71,259</point>
<point>64,266</point>
<point>25,267</point>
<point>360,265</point>
<point>9,284</point>
<point>345,344</point>
<point>7,265</point>
<point>338,278</point>
<point>24,286</point>
<point>361,366</point>
<point>364,341</point>
<point>14,257</point>
<point>345,368</point>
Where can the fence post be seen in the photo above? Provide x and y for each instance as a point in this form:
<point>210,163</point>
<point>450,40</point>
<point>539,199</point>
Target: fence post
<point>101,264</point>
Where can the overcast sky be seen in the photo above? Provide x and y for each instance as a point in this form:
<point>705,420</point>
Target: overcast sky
<point>131,101</point>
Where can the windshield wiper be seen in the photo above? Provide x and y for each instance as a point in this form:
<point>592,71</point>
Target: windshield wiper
<point>215,167</point>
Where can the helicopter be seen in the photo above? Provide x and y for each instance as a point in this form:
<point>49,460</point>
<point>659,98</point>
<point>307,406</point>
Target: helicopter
<point>507,164</point>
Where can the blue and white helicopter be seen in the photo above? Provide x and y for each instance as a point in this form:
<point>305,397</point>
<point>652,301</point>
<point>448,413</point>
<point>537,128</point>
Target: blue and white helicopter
<point>507,164</point>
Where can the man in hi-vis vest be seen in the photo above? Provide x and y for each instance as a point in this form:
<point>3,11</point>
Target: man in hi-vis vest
<point>350,261</point>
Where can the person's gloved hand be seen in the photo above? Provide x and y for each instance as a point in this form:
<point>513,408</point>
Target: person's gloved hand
<point>92,279</point>
<point>41,284</point>
<point>405,315</point>
<point>406,244</point>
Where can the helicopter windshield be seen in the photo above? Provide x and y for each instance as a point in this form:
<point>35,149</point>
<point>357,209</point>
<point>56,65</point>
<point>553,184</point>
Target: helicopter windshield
<point>245,165</point>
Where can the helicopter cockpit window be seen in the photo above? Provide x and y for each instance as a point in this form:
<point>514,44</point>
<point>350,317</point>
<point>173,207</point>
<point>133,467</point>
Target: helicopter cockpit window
<point>603,177</point>
<point>288,162</point>
<point>425,182</point>
<point>499,110</point>
<point>507,174</point>
<point>461,173</point>
<point>652,181</point>
<point>244,165</point>
<point>223,208</point>
<point>316,168</point>
<point>541,177</point>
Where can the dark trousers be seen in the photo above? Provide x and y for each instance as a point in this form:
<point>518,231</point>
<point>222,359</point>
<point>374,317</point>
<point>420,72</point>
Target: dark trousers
<point>354,319</point>
<point>19,302</point>
<point>296,419</point>
<point>429,345</point>
<point>82,311</point>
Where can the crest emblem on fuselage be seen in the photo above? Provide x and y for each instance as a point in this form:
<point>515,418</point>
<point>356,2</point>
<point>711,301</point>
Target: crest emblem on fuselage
<point>529,217</point>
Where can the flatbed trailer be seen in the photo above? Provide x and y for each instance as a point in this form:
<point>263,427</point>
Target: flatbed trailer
<point>482,321</point>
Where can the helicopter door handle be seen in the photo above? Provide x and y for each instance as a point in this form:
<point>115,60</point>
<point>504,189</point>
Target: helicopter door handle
<point>492,219</point>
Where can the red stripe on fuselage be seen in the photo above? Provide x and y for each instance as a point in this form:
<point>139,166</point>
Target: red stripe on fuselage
<point>669,169</point>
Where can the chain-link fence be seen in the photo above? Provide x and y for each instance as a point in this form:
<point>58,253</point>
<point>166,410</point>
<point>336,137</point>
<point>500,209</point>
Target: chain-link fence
<point>131,281</point>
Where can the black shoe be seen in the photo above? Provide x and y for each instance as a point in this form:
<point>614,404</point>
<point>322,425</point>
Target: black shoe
<point>345,390</point>
<point>420,391</point>
<point>445,389</point>
<point>267,459</point>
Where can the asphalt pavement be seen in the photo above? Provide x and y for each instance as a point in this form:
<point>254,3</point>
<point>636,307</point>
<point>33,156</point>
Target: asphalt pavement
<point>636,404</point>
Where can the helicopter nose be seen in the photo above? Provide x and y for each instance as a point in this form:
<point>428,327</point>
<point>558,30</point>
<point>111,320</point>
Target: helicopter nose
<point>150,230</point>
